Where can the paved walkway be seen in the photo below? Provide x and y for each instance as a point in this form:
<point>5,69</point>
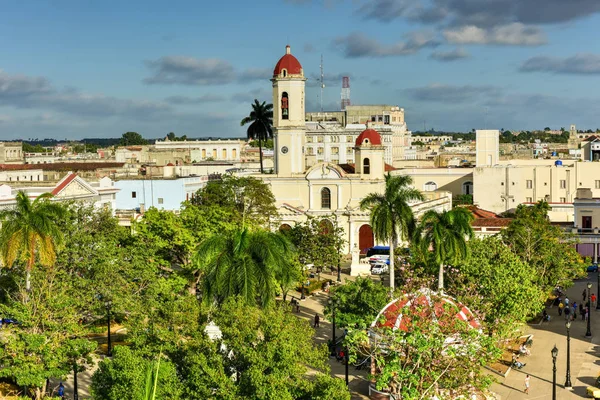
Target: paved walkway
<point>585,361</point>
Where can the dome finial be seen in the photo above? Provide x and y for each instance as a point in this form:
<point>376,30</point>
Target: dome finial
<point>288,49</point>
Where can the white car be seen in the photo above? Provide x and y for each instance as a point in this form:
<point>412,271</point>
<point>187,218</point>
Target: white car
<point>378,258</point>
<point>379,268</point>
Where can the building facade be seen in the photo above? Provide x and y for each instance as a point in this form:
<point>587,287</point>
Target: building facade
<point>11,152</point>
<point>326,188</point>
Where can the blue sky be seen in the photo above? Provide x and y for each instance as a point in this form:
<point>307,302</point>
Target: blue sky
<point>81,69</point>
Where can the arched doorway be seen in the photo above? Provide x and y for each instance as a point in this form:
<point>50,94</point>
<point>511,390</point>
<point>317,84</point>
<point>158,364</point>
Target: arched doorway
<point>284,227</point>
<point>325,226</point>
<point>365,238</point>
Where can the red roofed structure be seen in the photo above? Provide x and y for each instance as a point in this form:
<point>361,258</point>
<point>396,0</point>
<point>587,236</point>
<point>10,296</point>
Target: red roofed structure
<point>429,305</point>
<point>289,63</point>
<point>368,137</point>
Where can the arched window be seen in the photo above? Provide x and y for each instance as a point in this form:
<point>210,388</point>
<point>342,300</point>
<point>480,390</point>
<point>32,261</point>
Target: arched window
<point>366,166</point>
<point>326,198</point>
<point>467,187</point>
<point>284,72</point>
<point>430,186</point>
<point>285,112</point>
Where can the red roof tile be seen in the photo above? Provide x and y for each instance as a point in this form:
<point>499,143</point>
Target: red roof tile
<point>68,179</point>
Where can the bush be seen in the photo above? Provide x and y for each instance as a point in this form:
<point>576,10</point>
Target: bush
<point>313,286</point>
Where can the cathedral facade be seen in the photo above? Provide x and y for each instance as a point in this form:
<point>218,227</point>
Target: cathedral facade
<point>326,188</point>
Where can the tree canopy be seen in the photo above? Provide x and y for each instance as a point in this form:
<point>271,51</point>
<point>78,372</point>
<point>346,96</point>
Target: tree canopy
<point>132,139</point>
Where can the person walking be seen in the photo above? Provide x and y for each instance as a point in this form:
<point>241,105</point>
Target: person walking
<point>527,384</point>
<point>317,319</point>
<point>566,301</point>
<point>560,308</point>
<point>567,312</point>
<point>582,311</point>
<point>583,296</point>
<point>593,299</point>
<point>61,391</point>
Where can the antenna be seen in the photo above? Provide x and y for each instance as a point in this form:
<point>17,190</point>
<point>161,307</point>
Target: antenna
<point>345,92</point>
<point>322,83</point>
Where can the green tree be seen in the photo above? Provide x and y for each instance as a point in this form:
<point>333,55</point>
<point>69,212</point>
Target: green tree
<point>446,233</point>
<point>357,303</point>
<point>497,285</point>
<point>243,263</point>
<point>132,139</point>
<point>30,232</point>
<point>391,216</point>
<point>250,199</point>
<point>318,241</point>
<point>261,125</point>
<point>124,377</point>
<point>544,246</point>
<point>275,355</point>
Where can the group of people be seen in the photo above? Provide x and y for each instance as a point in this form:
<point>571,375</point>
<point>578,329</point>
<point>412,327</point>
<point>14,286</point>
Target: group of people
<point>570,310</point>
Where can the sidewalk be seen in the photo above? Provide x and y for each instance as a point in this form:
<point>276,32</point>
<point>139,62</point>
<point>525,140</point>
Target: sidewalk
<point>585,364</point>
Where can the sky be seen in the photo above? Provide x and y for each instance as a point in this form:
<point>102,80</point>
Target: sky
<point>81,69</point>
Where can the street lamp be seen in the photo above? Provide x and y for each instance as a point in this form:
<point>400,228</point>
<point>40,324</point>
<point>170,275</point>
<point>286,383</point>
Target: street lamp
<point>598,292</point>
<point>588,333</point>
<point>108,305</point>
<point>333,304</point>
<point>347,356</point>
<point>75,389</point>
<point>554,354</point>
<point>568,380</point>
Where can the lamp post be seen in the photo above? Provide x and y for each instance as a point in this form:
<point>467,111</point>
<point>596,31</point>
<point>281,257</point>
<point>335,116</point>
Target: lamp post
<point>554,354</point>
<point>75,389</point>
<point>588,333</point>
<point>347,357</point>
<point>598,291</point>
<point>332,303</point>
<point>108,305</point>
<point>339,268</point>
<point>568,379</point>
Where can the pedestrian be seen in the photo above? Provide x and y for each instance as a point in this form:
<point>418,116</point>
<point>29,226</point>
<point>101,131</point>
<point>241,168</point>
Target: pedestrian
<point>567,312</point>
<point>581,310</point>
<point>560,308</point>
<point>527,384</point>
<point>587,313</point>
<point>61,391</point>
<point>317,320</point>
<point>574,310</point>
<point>583,296</point>
<point>593,298</point>
<point>566,301</point>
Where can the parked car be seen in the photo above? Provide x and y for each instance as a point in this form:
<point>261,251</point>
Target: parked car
<point>592,268</point>
<point>379,268</point>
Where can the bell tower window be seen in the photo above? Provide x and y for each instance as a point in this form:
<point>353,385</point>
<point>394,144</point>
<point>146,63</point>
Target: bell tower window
<point>284,73</point>
<point>285,111</point>
<point>366,166</point>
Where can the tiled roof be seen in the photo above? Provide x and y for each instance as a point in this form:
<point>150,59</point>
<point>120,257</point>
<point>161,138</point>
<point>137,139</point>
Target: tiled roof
<point>491,222</point>
<point>350,168</point>
<point>69,166</point>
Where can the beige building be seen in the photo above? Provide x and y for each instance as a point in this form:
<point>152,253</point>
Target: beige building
<point>487,147</point>
<point>326,188</point>
<point>23,175</point>
<point>11,152</point>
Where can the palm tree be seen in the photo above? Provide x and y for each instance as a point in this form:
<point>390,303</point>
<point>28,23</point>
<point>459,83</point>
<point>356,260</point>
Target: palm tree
<point>446,234</point>
<point>30,231</point>
<point>391,216</point>
<point>261,123</point>
<point>244,263</point>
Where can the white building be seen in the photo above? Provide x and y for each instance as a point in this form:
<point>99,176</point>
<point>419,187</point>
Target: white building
<point>200,150</point>
<point>21,175</point>
<point>72,187</point>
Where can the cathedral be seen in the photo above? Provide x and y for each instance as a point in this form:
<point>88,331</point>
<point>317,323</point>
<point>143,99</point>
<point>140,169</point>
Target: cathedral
<point>326,189</point>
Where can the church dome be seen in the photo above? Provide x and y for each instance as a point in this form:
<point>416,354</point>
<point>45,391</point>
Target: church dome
<point>429,305</point>
<point>288,64</point>
<point>369,137</point>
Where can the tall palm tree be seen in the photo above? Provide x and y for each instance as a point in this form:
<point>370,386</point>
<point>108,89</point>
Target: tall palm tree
<point>391,216</point>
<point>245,263</point>
<point>261,125</point>
<point>30,231</point>
<point>446,234</point>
